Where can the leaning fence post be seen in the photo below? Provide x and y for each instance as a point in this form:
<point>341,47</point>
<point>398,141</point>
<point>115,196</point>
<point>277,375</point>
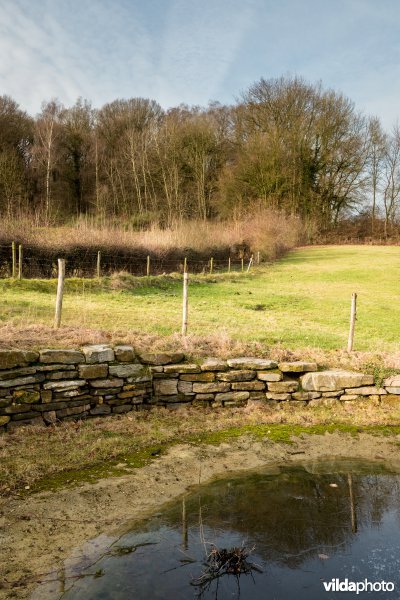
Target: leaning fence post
<point>20,250</point>
<point>14,260</point>
<point>98,264</point>
<point>185,303</point>
<point>60,289</point>
<point>250,263</point>
<point>353,316</point>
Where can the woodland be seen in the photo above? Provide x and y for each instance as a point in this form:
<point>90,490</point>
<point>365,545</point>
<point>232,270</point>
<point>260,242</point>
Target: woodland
<point>285,145</point>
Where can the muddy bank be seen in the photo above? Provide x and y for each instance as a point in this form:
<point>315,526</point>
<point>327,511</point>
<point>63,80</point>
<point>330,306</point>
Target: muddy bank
<point>38,532</point>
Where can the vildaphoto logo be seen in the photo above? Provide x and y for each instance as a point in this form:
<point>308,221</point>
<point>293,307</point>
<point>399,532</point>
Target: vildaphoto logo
<point>337,585</point>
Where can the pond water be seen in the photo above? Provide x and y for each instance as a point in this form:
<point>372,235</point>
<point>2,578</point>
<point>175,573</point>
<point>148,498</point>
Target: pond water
<point>300,527</point>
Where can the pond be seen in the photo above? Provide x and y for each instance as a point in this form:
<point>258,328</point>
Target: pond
<point>305,532</point>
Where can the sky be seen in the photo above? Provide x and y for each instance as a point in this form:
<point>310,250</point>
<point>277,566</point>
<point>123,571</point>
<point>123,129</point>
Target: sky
<point>196,51</point>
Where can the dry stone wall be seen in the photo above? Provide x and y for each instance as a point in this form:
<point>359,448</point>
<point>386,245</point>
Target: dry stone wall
<point>56,385</point>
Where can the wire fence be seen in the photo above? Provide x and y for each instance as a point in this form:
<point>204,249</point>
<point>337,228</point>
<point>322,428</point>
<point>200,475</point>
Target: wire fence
<point>30,262</point>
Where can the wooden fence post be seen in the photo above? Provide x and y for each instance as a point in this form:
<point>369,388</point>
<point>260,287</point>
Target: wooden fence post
<point>20,254</point>
<point>148,267</point>
<point>250,263</point>
<point>185,264</point>
<point>211,265</point>
<point>14,260</point>
<point>185,303</point>
<point>353,316</point>
<point>229,264</point>
<point>258,257</point>
<point>98,264</point>
<point>60,289</point>
<point>242,265</point>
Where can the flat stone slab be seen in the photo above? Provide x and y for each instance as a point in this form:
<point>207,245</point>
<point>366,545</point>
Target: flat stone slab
<point>366,391</point>
<point>269,376</point>
<point>214,364</point>
<point>106,383</point>
<point>61,386</point>
<point>239,375</point>
<point>182,368</point>
<point>98,353</point>
<point>211,388</point>
<point>22,381</point>
<point>298,366</point>
<point>16,358</point>
<point>256,364</point>
<point>161,358</point>
<point>126,370</point>
<point>330,381</point>
<point>68,357</point>
<point>281,387</point>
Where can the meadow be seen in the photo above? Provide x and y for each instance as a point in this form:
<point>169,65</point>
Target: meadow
<point>301,301</point>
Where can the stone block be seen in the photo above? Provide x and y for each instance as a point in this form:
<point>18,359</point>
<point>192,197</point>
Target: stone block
<point>127,370</point>
<point>269,376</point>
<point>101,409</point>
<point>369,390</point>
<point>124,353</point>
<point>46,396</point>
<point>198,377</point>
<point>124,408</point>
<point>106,383</point>
<point>4,420</point>
<point>93,371</point>
<point>54,367</point>
<point>74,410</point>
<point>62,386</point>
<point>347,397</point>
<point>281,387</point>
<point>248,386</point>
<point>182,368</point>
<point>32,414</point>
<point>393,381</point>
<point>306,396</point>
<point>329,381</point>
<point>280,397</point>
<point>17,358</point>
<point>13,373</point>
<point>22,381</point>
<point>393,390</point>
<point>50,417</point>
<point>255,364</point>
<point>331,394</point>
<point>298,366</point>
<point>185,387</point>
<point>233,398</point>
<point>61,356</point>
<point>214,364</point>
<point>25,396</point>
<point>58,375</point>
<point>161,358</point>
<point>204,397</point>
<point>213,387</point>
<point>236,375</point>
<point>98,353</point>
<point>166,387</point>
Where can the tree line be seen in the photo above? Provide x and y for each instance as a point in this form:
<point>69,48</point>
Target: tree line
<point>285,144</point>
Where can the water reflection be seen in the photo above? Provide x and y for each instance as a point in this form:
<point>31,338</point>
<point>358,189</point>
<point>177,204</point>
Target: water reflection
<point>307,525</point>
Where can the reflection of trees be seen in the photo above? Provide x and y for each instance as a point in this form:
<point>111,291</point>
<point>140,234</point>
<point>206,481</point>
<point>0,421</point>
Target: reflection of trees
<point>295,515</point>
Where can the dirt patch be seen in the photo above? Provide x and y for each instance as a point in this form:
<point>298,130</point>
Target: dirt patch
<point>38,532</point>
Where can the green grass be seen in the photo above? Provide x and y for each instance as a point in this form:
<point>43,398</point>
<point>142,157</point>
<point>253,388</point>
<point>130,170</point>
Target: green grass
<point>302,300</point>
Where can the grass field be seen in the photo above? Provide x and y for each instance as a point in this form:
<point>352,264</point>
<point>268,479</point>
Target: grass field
<point>301,301</point>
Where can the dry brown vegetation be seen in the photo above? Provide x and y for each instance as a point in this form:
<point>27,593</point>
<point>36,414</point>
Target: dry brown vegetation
<point>269,232</point>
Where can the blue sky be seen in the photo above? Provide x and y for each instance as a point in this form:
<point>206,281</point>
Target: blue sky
<point>193,51</point>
